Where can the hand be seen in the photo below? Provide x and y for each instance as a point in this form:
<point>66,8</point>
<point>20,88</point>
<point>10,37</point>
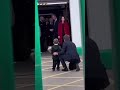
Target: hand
<point>55,53</point>
<point>58,36</point>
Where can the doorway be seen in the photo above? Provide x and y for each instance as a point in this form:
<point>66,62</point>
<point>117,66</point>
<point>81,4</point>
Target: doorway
<point>54,80</point>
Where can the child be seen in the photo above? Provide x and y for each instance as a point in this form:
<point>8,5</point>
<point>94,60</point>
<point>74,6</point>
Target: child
<point>55,48</point>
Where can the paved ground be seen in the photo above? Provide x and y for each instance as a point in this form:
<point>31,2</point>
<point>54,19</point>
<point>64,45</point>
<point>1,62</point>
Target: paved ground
<point>60,80</point>
<point>57,80</point>
<point>111,78</point>
<point>24,75</point>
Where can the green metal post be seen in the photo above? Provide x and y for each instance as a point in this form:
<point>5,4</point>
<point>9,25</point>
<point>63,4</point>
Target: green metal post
<point>38,66</point>
<point>82,9</point>
<point>116,42</point>
<point>6,53</point>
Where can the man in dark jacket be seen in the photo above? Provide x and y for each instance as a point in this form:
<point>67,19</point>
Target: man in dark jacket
<point>42,34</point>
<point>55,26</point>
<point>69,53</point>
<point>95,73</point>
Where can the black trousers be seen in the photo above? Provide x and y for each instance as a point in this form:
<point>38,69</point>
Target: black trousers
<point>43,43</point>
<point>50,41</point>
<point>55,35</point>
<point>65,66</point>
<point>63,63</point>
<point>56,62</point>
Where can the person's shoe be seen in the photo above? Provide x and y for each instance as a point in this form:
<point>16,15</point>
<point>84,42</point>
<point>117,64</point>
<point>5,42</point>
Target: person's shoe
<point>65,69</point>
<point>78,69</point>
<point>53,69</point>
<point>58,69</point>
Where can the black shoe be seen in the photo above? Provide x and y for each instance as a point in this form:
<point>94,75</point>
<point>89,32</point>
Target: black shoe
<point>53,69</point>
<point>64,69</point>
<point>58,69</point>
<point>78,69</point>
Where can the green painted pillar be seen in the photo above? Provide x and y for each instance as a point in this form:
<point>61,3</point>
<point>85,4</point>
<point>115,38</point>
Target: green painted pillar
<point>38,65</point>
<point>116,42</point>
<point>82,4</point>
<point>6,54</point>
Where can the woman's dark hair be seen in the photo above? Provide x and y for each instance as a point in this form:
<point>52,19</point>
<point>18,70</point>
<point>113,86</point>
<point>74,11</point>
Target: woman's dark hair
<point>66,20</point>
<point>64,17</point>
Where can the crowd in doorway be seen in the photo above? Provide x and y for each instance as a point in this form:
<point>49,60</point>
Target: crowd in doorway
<point>51,28</point>
<point>56,33</point>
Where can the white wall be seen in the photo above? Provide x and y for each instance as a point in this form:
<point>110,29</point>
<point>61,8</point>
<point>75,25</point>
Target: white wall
<point>99,22</point>
<point>75,16</point>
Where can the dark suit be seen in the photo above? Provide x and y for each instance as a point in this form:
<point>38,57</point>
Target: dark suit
<point>51,34</point>
<point>42,28</point>
<point>43,35</point>
<point>69,53</point>
<point>95,74</point>
<point>55,27</point>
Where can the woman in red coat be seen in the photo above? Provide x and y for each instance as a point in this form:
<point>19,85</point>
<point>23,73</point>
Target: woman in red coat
<point>63,28</point>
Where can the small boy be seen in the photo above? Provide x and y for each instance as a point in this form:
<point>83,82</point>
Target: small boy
<point>55,48</point>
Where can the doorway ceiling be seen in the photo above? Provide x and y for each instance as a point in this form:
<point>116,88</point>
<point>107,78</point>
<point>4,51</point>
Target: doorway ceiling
<point>53,1</point>
<point>57,6</point>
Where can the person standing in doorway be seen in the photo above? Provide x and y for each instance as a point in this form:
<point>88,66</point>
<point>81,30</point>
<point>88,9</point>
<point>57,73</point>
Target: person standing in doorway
<point>63,29</point>
<point>47,32</point>
<point>43,33</point>
<point>51,31</point>
<point>55,26</point>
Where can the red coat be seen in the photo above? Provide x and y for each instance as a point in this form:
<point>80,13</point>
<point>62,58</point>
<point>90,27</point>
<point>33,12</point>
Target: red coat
<point>60,31</point>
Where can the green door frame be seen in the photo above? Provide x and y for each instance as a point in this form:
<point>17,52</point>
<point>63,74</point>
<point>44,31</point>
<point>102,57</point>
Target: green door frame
<point>116,42</point>
<point>38,64</point>
<point>82,4</point>
<point>6,49</point>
